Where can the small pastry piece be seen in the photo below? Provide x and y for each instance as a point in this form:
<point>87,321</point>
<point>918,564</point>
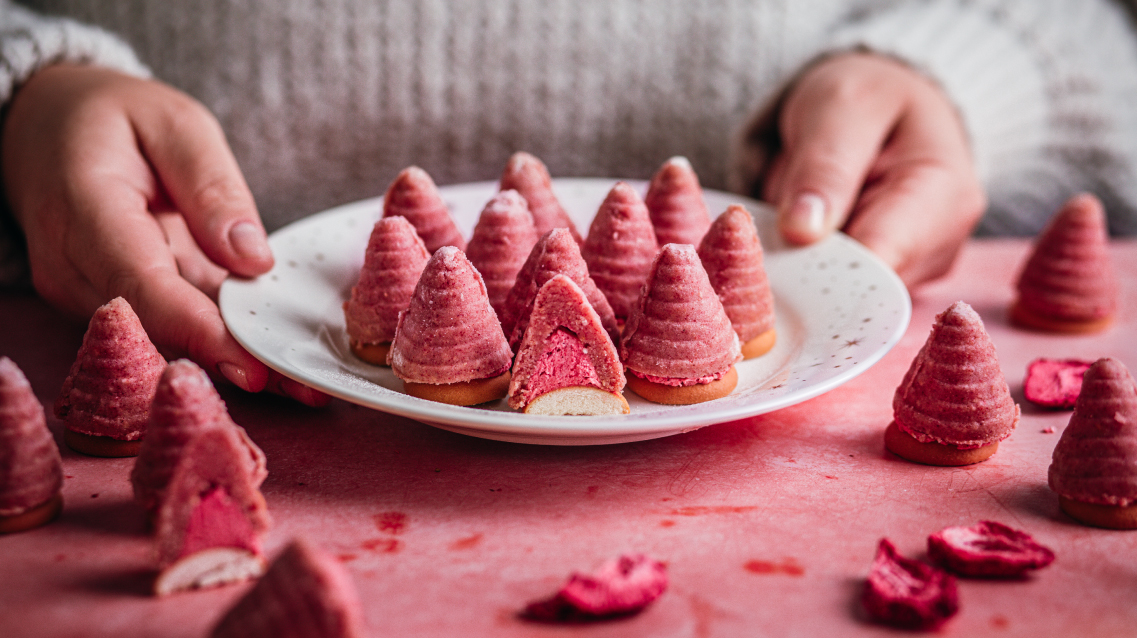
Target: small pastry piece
<point>987,549</point>
<point>305,593</point>
<point>902,592</point>
<point>1068,284</point>
<point>413,195</point>
<point>678,343</point>
<point>675,201</point>
<point>567,363</point>
<point>1054,383</point>
<point>527,175</point>
<point>501,242</point>
<point>555,254</point>
<point>212,515</point>
<point>31,472</point>
<point>1094,467</point>
<point>620,248</point>
<point>105,400</point>
<point>448,346</point>
<point>392,264</point>
<point>732,256</point>
<point>185,405</point>
<point>953,406</point>
<point>622,586</point>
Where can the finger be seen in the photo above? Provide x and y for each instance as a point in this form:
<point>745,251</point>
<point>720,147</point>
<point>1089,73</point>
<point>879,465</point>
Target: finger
<point>196,168</point>
<point>193,265</point>
<point>282,385</point>
<point>833,126</point>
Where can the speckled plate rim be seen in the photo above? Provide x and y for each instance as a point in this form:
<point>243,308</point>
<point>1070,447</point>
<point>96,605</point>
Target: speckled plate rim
<point>839,308</point>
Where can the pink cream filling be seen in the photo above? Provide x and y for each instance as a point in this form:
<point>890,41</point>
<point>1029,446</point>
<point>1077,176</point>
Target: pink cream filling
<point>563,364</point>
<point>677,382</point>
<point>218,521</point>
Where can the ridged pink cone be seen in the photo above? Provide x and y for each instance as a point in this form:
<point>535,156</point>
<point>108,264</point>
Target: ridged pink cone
<point>185,405</point>
<point>502,240</point>
<point>954,393</point>
<point>675,201</point>
<point>1095,461</point>
<point>449,333</point>
<point>305,593</point>
<point>392,265</point>
<point>620,248</point>
<point>31,472</point>
<point>527,175</point>
<point>732,256</point>
<point>112,382</point>
<point>1069,276</point>
<point>565,345</point>
<point>678,332</point>
<point>211,500</point>
<point>554,254</point>
<point>413,195</point>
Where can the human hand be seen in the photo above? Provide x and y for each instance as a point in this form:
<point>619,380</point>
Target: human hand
<point>126,187</point>
<point>871,146</point>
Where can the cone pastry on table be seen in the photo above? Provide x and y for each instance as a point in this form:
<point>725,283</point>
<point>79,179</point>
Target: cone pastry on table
<point>392,264</point>
<point>567,363</point>
<point>953,405</point>
<point>528,176</point>
<point>502,240</point>
<point>732,256</point>
<point>105,400</point>
<point>1094,466</point>
<point>675,203</point>
<point>679,346</point>
<point>449,346</point>
<point>1068,284</point>
<point>619,248</point>
<point>31,471</point>
<point>413,195</point>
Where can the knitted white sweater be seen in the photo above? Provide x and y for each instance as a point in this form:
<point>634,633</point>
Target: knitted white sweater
<point>324,102</point>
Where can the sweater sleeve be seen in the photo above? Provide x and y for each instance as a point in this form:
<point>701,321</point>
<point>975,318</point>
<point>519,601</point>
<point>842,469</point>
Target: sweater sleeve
<point>1045,89</point>
<point>29,42</point>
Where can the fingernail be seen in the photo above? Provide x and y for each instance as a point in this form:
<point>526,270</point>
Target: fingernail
<point>806,218</point>
<point>248,241</point>
<point>234,374</point>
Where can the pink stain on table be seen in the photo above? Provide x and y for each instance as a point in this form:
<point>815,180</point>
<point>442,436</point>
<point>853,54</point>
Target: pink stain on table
<point>391,522</point>
<point>787,566</point>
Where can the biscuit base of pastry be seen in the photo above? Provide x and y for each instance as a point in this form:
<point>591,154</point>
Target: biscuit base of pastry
<point>684,395</point>
<point>905,446</point>
<point>462,393</point>
<point>1097,515</point>
<point>41,514</point>
<point>211,567</point>
<point>104,446</point>
<point>373,353</point>
<point>578,401</point>
<point>1026,318</point>
<point>759,345</point>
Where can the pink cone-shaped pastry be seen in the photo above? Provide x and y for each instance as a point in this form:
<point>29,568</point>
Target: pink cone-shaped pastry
<point>449,333</point>
<point>31,473</point>
<point>620,248</point>
<point>1095,461</point>
<point>112,382</point>
<point>732,256</point>
<point>211,517</point>
<point>675,201</point>
<point>305,593</point>
<point>1068,284</point>
<point>565,346</point>
<point>185,405</point>
<point>555,254</point>
<point>527,175</point>
<point>678,333</point>
<point>502,240</point>
<point>954,393</point>
<point>392,264</point>
<point>413,195</point>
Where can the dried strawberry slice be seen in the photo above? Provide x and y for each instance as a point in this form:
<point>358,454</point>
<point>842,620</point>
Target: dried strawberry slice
<point>621,586</point>
<point>1054,383</point>
<point>987,548</point>
<point>906,593</point>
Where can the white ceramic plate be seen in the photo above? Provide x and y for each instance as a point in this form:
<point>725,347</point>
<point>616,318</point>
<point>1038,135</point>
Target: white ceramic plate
<point>839,310</point>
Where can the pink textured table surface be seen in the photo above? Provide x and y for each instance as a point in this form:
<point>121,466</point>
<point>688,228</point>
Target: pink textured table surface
<point>768,525</point>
